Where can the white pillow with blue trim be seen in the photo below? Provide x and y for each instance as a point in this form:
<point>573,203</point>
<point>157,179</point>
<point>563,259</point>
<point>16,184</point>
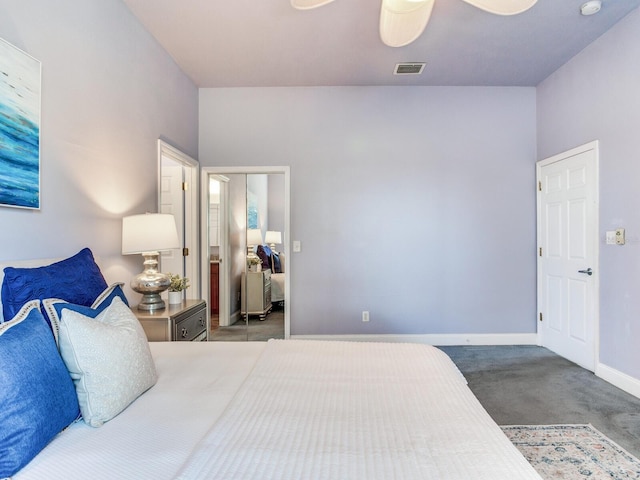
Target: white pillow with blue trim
<point>108,358</point>
<point>53,306</point>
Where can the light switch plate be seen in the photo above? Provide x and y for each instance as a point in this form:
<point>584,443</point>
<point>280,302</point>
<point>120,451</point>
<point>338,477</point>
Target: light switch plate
<point>611,237</point>
<point>296,246</point>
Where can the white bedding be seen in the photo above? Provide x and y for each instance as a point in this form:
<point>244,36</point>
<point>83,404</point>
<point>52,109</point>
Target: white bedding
<point>153,437</point>
<point>340,410</point>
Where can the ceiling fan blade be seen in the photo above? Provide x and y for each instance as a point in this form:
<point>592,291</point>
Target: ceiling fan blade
<point>503,7</point>
<point>403,21</point>
<point>308,4</point>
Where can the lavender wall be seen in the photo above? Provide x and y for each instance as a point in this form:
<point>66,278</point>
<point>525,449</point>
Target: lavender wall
<point>415,203</point>
<point>108,93</point>
<point>595,97</point>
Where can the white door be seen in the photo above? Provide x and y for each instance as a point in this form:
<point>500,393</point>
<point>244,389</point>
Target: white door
<point>568,254</point>
<point>178,195</point>
<point>224,256</point>
<point>172,202</point>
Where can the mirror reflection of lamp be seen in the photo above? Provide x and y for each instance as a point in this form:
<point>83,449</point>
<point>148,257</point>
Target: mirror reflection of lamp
<point>148,234</point>
<point>254,238</point>
<point>273,238</point>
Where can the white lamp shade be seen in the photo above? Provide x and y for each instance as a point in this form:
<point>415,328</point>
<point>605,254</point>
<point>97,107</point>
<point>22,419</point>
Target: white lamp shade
<point>149,232</point>
<point>273,237</point>
<point>254,236</point>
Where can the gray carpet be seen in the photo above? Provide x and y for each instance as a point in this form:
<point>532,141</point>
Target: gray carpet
<point>256,330</point>
<point>529,385</point>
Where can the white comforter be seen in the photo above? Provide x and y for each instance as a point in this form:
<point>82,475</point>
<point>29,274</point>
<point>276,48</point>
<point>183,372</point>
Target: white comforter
<point>340,410</point>
<point>154,436</point>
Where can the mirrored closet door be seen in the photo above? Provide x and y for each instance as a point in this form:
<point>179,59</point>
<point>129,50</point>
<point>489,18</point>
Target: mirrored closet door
<point>246,228</point>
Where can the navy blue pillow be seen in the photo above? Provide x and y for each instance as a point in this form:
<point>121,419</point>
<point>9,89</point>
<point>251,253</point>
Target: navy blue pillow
<point>264,252</point>
<point>76,279</point>
<point>277,267</point>
<point>38,398</point>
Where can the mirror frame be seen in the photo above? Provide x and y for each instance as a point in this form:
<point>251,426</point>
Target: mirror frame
<point>204,212</point>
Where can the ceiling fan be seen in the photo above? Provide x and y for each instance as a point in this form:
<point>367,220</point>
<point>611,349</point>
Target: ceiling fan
<point>403,21</point>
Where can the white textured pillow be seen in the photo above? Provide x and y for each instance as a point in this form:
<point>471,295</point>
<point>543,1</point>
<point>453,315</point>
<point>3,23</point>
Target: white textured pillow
<point>108,358</point>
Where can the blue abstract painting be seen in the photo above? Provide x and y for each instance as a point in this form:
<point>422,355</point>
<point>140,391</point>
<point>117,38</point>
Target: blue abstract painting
<point>19,128</point>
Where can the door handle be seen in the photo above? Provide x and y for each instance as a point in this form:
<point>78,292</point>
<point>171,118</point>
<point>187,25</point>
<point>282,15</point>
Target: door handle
<point>588,271</point>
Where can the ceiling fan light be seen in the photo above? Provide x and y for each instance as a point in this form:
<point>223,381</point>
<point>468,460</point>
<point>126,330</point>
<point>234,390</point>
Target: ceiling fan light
<point>403,21</point>
<point>503,7</point>
<point>308,4</point>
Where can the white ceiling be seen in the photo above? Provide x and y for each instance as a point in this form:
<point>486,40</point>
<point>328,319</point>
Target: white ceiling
<point>268,43</point>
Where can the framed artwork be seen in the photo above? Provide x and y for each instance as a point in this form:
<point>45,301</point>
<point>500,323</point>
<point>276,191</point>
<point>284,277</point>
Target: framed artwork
<point>19,128</point>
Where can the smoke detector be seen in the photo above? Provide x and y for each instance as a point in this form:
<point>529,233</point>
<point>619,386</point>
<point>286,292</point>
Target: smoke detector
<point>591,8</point>
<point>409,68</point>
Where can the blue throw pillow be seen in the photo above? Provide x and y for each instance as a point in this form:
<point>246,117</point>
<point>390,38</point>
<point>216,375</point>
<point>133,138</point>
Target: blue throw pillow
<point>76,279</point>
<point>53,306</point>
<point>277,266</point>
<point>37,399</point>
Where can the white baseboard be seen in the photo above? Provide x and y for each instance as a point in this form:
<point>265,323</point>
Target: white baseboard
<point>440,339</point>
<point>619,379</point>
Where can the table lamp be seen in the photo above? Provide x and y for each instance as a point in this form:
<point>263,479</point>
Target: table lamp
<point>148,234</point>
<point>273,237</point>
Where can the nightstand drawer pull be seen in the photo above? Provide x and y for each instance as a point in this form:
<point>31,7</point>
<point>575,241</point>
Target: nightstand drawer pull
<point>185,333</point>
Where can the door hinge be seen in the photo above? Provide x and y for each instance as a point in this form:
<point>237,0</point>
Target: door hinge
<point>539,186</point>
<point>540,316</point>
<point>540,251</point>
<point>185,252</point>
<point>185,186</point>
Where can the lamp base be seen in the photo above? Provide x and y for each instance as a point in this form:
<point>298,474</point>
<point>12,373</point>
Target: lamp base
<point>150,283</point>
<point>151,302</point>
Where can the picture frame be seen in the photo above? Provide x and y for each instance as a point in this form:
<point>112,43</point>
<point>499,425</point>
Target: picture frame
<point>20,96</point>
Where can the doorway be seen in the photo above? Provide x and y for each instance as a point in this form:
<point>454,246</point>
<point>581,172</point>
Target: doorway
<point>235,201</point>
<point>178,195</point>
<point>568,254</point>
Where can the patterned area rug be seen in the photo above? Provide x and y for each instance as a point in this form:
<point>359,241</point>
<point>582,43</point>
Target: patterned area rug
<point>572,452</point>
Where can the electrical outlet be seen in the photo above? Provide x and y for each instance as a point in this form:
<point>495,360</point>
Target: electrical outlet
<point>620,236</point>
<point>365,316</point>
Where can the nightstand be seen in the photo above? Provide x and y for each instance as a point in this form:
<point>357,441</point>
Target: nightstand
<point>184,322</point>
<point>258,293</point>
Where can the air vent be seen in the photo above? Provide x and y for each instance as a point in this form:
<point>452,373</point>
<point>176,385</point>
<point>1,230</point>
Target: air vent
<point>409,68</point>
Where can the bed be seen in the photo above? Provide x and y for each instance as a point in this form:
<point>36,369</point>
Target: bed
<point>288,409</point>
